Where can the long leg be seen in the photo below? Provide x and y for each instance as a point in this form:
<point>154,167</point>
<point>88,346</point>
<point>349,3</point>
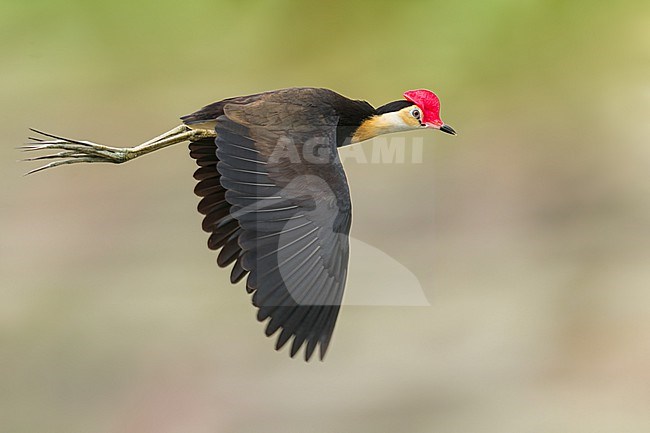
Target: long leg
<point>78,151</point>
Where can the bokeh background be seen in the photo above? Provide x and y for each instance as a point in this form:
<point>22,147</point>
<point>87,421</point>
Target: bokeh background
<point>529,232</point>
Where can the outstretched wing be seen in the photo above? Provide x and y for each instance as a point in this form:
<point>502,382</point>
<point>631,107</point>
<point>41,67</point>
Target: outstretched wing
<point>289,214</point>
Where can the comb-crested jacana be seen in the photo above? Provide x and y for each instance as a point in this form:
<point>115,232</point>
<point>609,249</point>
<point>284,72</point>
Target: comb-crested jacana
<point>275,198</point>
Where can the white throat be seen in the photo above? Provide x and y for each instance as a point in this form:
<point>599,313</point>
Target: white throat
<point>383,124</point>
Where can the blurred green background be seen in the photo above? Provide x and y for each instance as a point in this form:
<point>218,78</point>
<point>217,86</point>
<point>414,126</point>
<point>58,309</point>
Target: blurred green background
<point>529,232</point>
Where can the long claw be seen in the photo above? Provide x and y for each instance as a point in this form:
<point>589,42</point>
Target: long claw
<point>62,146</point>
<point>64,162</point>
<point>67,154</point>
<point>32,146</point>
<point>40,141</point>
<point>56,137</point>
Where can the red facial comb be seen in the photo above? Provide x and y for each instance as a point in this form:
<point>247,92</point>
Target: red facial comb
<point>428,103</point>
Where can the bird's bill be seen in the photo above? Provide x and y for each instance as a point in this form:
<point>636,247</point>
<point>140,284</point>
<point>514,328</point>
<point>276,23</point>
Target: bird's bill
<point>441,126</point>
<point>448,129</point>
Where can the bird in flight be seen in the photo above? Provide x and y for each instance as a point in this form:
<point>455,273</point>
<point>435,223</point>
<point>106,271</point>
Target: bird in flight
<point>274,194</point>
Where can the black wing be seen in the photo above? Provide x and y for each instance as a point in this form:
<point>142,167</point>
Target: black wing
<point>279,207</point>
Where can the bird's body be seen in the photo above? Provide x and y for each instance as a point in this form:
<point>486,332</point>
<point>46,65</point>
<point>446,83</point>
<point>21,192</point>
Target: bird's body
<point>313,106</point>
<point>275,198</point>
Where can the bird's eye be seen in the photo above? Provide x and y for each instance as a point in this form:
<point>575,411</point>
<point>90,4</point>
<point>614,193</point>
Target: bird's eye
<point>415,113</point>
